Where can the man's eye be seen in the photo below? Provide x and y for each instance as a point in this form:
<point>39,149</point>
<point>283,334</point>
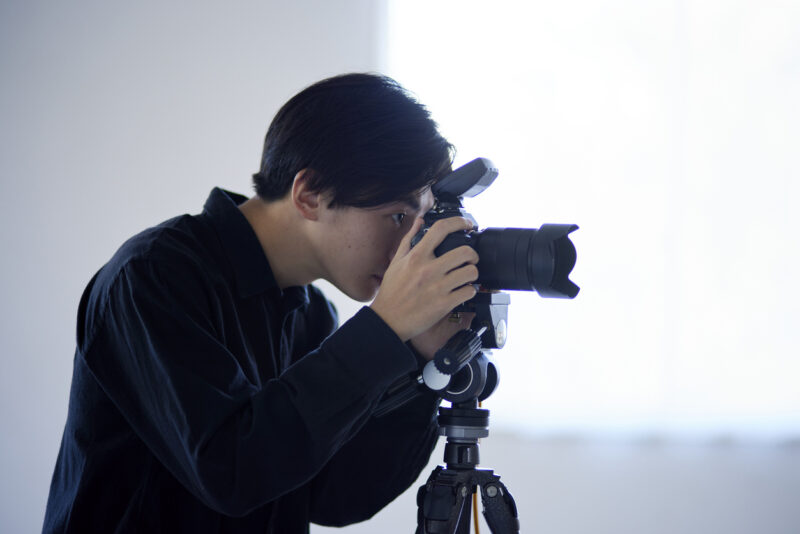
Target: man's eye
<point>398,218</point>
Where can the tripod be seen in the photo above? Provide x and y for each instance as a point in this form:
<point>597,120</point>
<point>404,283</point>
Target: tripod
<point>462,374</point>
<point>445,501</point>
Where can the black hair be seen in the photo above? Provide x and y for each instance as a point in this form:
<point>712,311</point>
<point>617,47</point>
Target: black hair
<point>364,139</point>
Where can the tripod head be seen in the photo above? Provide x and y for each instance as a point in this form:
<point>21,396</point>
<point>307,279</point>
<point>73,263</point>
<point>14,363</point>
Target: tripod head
<point>461,371</point>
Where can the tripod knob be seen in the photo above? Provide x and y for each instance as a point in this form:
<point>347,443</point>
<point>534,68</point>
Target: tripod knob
<point>458,351</point>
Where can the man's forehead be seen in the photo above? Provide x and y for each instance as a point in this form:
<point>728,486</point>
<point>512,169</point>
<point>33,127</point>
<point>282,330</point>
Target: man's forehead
<point>421,200</point>
<point>428,199</point>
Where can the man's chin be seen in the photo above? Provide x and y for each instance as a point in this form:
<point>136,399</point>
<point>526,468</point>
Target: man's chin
<point>363,299</point>
<point>362,294</point>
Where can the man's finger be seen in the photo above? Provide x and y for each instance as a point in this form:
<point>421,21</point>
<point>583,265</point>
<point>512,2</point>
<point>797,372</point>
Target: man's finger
<point>462,294</point>
<point>441,229</point>
<point>405,243</point>
<point>457,257</point>
<point>463,275</point>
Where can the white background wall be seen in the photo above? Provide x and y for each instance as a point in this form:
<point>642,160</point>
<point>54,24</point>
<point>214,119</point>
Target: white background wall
<point>668,131</point>
<point>115,117</point>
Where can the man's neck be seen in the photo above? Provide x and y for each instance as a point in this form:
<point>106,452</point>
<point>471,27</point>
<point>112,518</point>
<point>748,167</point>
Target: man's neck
<point>279,230</point>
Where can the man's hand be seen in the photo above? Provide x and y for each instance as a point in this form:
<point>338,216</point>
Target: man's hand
<point>428,342</point>
<point>419,289</point>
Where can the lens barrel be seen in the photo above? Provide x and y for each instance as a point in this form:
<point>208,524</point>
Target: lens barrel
<point>525,259</point>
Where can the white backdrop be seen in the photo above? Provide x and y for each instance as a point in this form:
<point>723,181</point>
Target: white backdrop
<point>669,132</point>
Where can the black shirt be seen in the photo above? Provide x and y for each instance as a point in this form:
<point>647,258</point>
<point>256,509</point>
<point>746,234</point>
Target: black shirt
<point>205,399</point>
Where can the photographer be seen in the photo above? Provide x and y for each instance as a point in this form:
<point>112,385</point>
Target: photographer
<point>212,390</point>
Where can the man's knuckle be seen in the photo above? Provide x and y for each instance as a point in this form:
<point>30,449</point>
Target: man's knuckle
<point>440,225</point>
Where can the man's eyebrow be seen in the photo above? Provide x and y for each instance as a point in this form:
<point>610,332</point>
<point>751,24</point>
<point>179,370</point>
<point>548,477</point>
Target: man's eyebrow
<point>412,203</point>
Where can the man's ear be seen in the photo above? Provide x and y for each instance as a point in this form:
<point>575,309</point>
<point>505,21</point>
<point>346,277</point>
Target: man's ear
<point>308,203</point>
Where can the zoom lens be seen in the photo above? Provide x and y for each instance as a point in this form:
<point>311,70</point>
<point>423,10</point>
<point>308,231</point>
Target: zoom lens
<point>525,259</point>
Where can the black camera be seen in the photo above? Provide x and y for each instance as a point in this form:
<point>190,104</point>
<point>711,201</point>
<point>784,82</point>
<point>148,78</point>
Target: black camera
<point>527,259</point>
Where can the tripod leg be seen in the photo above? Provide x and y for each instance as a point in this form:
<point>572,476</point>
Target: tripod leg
<point>443,504</point>
<point>499,507</point>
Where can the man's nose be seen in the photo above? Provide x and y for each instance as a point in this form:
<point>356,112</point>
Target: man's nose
<point>393,250</point>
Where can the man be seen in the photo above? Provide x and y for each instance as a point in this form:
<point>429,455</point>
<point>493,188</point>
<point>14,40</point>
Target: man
<point>212,390</point>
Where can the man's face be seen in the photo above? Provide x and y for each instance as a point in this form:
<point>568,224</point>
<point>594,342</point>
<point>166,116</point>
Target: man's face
<point>356,245</point>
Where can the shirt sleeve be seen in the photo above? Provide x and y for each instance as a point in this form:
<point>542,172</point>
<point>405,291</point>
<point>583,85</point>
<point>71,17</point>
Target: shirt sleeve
<point>378,464</point>
<point>157,353</point>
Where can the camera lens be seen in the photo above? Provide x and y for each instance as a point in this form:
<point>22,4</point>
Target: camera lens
<point>526,259</point>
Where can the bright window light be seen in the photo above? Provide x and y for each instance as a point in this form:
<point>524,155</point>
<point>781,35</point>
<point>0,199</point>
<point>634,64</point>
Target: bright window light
<point>669,132</point>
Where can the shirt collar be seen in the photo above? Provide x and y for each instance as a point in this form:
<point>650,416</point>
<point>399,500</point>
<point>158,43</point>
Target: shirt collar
<point>251,268</point>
